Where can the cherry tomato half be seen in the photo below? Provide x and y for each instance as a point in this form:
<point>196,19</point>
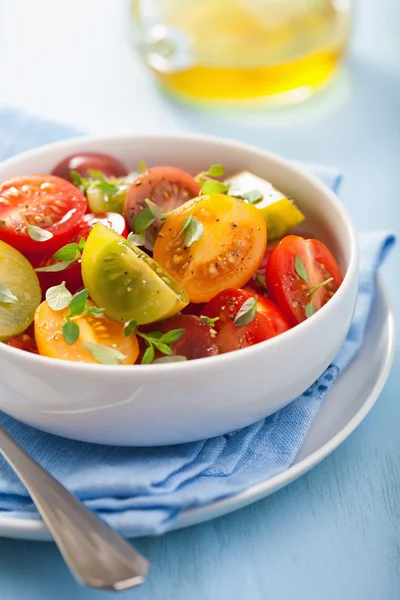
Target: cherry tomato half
<point>72,275</point>
<point>45,201</point>
<point>197,341</point>
<point>168,187</point>
<point>97,330</point>
<point>228,252</point>
<point>85,161</point>
<point>267,323</point>
<point>295,289</point>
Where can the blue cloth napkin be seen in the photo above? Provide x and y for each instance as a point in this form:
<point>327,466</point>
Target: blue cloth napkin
<point>143,490</point>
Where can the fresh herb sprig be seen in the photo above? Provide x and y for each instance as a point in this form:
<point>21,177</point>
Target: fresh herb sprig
<point>59,297</point>
<point>192,230</point>
<point>208,320</point>
<point>37,233</point>
<point>113,188</point>
<point>155,340</point>
<point>209,185</point>
<point>251,197</point>
<point>311,290</point>
<point>146,217</point>
<point>246,313</point>
<point>65,257</point>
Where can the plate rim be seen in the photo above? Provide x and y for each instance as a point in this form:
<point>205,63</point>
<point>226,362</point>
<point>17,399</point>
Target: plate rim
<point>29,529</point>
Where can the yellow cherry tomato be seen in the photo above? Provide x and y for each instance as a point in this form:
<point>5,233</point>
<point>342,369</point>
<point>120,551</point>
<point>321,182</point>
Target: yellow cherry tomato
<point>98,330</point>
<point>232,238</point>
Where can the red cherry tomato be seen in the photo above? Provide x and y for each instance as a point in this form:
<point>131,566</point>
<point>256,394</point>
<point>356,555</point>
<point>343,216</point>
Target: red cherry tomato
<point>109,166</point>
<point>197,341</point>
<point>168,187</point>
<point>45,201</point>
<point>296,297</point>
<point>72,275</point>
<point>110,219</point>
<point>23,342</point>
<point>268,321</point>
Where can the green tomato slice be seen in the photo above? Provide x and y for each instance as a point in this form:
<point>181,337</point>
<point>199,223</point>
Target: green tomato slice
<point>126,282</point>
<point>100,202</point>
<point>19,290</point>
<point>280,213</point>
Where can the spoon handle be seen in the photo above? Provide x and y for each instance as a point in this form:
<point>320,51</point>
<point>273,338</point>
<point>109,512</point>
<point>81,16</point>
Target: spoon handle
<point>95,554</point>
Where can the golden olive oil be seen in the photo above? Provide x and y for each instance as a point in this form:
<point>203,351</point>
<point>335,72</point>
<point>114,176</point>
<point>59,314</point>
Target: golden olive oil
<point>245,49</point>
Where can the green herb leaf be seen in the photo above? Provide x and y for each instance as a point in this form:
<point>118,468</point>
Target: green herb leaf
<point>155,209</point>
<point>68,252</point>
<point>78,303</point>
<point>310,310</point>
<point>107,188</point>
<point>246,313</point>
<point>300,268</point>
<point>208,320</point>
<point>58,297</point>
<point>135,239</point>
<point>314,289</point>
<point>70,331</point>
<point>142,166</point>
<point>105,355</point>
<point>130,327</point>
<point>6,295</point>
<point>164,348</point>
<point>253,197</point>
<point>148,356</point>
<point>81,244</point>
<point>154,335</point>
<point>143,220</point>
<point>56,267</point>
<point>37,233</point>
<point>76,177</point>
<point>192,230</point>
<point>212,186</point>
<point>213,171</point>
<point>97,174</point>
<point>170,359</point>
<point>172,336</point>
<point>95,311</point>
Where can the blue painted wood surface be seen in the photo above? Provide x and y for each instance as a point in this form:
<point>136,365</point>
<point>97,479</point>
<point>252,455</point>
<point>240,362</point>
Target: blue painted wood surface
<point>335,533</point>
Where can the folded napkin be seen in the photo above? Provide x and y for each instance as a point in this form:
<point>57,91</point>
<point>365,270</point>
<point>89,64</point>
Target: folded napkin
<point>142,490</point>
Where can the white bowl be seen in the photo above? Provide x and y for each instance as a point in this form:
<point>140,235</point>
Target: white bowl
<point>181,402</point>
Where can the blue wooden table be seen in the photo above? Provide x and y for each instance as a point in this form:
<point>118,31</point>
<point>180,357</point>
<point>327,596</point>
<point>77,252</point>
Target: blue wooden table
<point>335,533</point>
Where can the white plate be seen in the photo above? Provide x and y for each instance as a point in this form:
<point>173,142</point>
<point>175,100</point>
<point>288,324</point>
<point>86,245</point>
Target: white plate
<point>346,405</point>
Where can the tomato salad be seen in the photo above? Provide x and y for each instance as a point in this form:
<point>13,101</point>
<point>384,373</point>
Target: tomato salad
<point>102,265</point>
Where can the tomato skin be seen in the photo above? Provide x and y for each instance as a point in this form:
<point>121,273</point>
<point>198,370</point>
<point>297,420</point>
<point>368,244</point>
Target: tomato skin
<point>288,289</point>
<point>84,161</point>
<point>43,200</point>
<point>24,342</point>
<point>168,187</point>
<point>228,253</point>
<point>98,330</point>
<point>197,341</point>
<point>268,322</point>
<point>72,275</point>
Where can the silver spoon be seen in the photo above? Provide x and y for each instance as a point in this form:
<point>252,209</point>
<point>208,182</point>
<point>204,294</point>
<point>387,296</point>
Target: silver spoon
<point>95,554</point>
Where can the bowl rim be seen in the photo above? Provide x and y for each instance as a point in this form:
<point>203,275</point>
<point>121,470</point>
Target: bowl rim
<point>219,360</point>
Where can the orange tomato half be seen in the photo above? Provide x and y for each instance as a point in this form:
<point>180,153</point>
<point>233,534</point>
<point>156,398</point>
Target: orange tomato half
<point>228,253</point>
<point>97,330</point>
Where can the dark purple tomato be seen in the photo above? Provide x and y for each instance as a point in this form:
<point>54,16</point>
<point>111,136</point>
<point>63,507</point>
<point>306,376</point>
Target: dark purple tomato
<point>109,166</point>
